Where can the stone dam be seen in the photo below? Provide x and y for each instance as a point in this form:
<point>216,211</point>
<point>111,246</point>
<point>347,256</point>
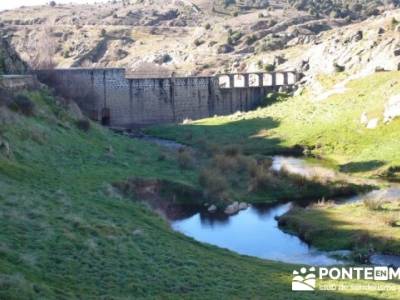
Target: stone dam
<point>116,99</point>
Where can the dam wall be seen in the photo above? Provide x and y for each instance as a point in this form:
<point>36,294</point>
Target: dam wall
<point>113,98</point>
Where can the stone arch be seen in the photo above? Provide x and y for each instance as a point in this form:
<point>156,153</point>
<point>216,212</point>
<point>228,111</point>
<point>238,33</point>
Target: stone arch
<point>268,79</point>
<point>239,80</point>
<point>254,80</point>
<point>280,79</point>
<point>224,81</point>
<point>291,78</point>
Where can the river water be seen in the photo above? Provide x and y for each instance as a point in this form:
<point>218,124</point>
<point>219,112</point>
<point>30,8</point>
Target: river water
<point>255,231</point>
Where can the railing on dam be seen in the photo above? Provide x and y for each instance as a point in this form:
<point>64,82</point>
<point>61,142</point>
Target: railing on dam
<point>248,80</point>
<point>233,80</point>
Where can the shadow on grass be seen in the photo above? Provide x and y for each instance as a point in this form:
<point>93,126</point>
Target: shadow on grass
<point>362,166</point>
<point>255,136</point>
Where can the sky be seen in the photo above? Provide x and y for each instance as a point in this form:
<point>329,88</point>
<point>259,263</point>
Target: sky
<point>10,4</point>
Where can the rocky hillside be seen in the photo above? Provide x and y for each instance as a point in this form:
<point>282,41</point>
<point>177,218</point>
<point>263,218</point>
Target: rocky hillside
<point>197,36</point>
<point>352,51</point>
<point>204,36</point>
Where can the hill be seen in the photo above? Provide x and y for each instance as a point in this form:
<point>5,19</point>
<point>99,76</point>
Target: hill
<point>188,37</point>
<point>67,233</point>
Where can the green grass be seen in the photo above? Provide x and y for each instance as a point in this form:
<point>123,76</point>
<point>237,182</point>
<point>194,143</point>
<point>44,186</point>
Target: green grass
<point>328,128</point>
<point>359,226</point>
<point>64,235</point>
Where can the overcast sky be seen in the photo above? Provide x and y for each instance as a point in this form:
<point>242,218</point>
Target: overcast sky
<point>10,4</point>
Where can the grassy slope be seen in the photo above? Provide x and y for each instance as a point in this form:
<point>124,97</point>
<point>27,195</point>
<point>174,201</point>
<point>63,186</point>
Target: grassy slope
<point>331,125</point>
<point>62,236</point>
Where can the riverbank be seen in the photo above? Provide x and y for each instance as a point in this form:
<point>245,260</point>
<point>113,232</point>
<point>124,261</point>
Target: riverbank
<point>368,226</point>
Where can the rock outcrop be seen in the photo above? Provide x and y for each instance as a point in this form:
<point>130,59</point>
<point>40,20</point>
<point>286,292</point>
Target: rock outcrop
<point>10,61</point>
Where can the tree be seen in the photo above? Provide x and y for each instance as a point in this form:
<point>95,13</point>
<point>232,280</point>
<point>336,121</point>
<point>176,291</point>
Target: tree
<point>52,3</point>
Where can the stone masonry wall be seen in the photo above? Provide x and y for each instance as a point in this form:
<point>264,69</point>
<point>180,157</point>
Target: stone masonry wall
<point>103,93</point>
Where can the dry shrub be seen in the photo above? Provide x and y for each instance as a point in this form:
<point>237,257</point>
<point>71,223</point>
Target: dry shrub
<point>296,179</point>
<point>225,163</point>
<point>247,164</point>
<point>232,150</point>
<point>211,148</point>
<point>185,159</point>
<point>83,124</point>
<point>214,184</point>
<point>374,203</point>
<point>322,203</point>
<point>263,178</point>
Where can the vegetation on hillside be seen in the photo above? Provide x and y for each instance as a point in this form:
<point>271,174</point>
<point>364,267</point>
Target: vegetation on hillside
<point>343,8</point>
<point>67,233</point>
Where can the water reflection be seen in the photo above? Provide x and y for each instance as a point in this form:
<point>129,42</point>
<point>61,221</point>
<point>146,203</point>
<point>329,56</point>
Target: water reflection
<point>252,232</point>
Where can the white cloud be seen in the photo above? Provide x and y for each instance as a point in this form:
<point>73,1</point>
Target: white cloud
<point>10,4</point>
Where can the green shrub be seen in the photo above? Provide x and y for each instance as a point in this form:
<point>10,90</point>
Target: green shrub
<point>393,23</point>
<point>251,39</point>
<point>207,26</point>
<point>198,42</point>
<point>269,67</point>
<point>83,124</point>
<point>338,68</point>
<point>22,104</point>
<point>275,97</point>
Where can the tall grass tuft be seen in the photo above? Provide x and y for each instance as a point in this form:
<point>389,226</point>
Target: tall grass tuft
<point>374,203</point>
<point>185,159</point>
<point>214,184</point>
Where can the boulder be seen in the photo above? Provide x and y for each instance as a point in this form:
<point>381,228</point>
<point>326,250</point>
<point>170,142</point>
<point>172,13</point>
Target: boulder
<point>243,206</point>
<point>212,208</point>
<point>225,49</point>
<point>235,207</point>
<point>232,208</point>
<point>373,123</point>
<point>357,37</point>
<point>392,109</point>
<point>364,119</point>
